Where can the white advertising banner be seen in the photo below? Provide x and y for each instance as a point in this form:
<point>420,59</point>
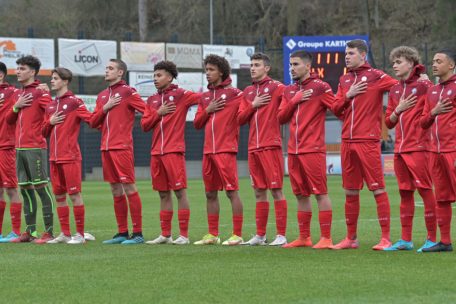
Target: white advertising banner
<point>185,55</point>
<point>142,56</point>
<point>86,57</point>
<point>11,49</point>
<point>238,56</point>
<point>143,82</point>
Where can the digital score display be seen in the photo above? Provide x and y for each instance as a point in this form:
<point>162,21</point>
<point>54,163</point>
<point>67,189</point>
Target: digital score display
<point>329,66</point>
<point>328,53</point>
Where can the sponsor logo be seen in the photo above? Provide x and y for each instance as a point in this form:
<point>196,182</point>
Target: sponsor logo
<point>88,57</point>
<point>8,50</point>
<point>291,44</point>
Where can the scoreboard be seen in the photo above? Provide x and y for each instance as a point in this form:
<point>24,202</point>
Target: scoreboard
<point>328,54</point>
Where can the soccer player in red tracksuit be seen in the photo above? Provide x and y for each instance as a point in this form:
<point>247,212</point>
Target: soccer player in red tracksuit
<point>359,99</point>
<point>8,178</point>
<point>259,109</point>
<point>62,125</point>
<point>440,115</point>
<point>28,114</point>
<point>304,106</point>
<point>165,115</point>
<point>217,114</point>
<point>405,105</point>
<point>115,114</point>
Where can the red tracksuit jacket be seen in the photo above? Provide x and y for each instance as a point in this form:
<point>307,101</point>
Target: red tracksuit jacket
<point>29,120</point>
<point>221,134</point>
<point>410,137</point>
<point>307,119</point>
<point>117,124</point>
<point>362,113</point>
<point>168,131</point>
<point>443,131</point>
<point>64,146</point>
<point>7,131</point>
<point>264,127</point>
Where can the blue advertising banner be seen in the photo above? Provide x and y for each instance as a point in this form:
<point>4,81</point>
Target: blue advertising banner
<point>328,55</point>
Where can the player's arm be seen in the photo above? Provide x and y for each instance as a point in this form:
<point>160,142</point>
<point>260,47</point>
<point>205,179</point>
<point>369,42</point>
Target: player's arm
<point>201,117</point>
<point>47,126</point>
<point>44,100</point>
<point>191,98</point>
<point>327,99</point>
<point>286,110</point>
<point>429,114</point>
<point>135,101</point>
<point>83,113</point>
<point>149,119</point>
<point>386,82</point>
<point>391,117</point>
<point>245,112</point>
<point>341,102</point>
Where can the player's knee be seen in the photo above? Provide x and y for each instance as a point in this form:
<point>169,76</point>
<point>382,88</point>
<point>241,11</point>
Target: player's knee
<point>211,195</point>
<point>232,194</point>
<point>179,194</point>
<point>11,192</point>
<point>378,191</point>
<point>277,194</point>
<point>164,195</point>
<point>76,199</point>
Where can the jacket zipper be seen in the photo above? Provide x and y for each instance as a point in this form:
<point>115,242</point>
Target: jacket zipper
<point>400,122</point>
<point>353,111</point>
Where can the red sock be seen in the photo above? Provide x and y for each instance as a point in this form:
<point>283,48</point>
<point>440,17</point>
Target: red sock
<point>237,224</point>
<point>213,222</point>
<point>135,212</point>
<point>383,214</point>
<point>184,217</point>
<point>351,215</point>
<point>121,211</point>
<point>15,212</point>
<point>304,218</point>
<point>262,213</point>
<point>166,216</point>
<point>64,219</point>
<point>281,212</point>
<point>429,213</point>
<point>444,213</point>
<point>2,213</point>
<point>407,210</point>
<point>325,219</point>
<point>79,218</point>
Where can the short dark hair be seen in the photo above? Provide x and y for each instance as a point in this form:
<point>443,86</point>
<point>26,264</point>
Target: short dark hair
<point>450,53</point>
<point>261,56</point>
<point>168,66</point>
<point>304,55</point>
<point>121,65</point>
<point>63,73</point>
<point>220,62</point>
<point>30,61</point>
<point>3,68</point>
<point>359,44</point>
<point>409,53</point>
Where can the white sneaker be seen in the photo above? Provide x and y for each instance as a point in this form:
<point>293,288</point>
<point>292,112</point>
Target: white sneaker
<point>89,236</point>
<point>279,241</point>
<point>256,240</point>
<point>77,239</point>
<point>181,240</point>
<point>62,238</point>
<point>161,240</point>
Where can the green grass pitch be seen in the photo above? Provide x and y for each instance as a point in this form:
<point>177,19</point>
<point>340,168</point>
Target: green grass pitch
<point>96,273</point>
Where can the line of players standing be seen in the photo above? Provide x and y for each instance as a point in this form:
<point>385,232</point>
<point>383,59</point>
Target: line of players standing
<point>425,149</point>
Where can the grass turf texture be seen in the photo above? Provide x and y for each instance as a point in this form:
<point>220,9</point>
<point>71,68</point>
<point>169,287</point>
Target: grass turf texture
<point>97,273</point>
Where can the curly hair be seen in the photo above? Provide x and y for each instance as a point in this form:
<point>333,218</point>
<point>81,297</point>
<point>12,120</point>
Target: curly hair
<point>409,53</point>
<point>220,62</point>
<point>30,61</point>
<point>167,66</point>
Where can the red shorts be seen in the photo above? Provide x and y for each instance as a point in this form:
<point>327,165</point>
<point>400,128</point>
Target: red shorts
<point>307,173</point>
<point>220,172</point>
<point>65,177</point>
<point>168,172</point>
<point>362,161</point>
<point>8,177</point>
<point>443,172</point>
<point>266,169</point>
<point>412,170</point>
<point>118,166</point>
